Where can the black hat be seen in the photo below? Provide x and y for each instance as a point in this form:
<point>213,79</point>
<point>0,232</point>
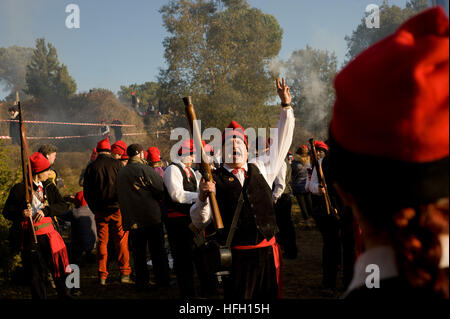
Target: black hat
<point>134,149</point>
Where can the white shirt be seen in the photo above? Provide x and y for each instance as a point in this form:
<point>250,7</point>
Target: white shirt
<point>36,204</point>
<point>384,258</point>
<point>279,182</point>
<point>313,184</point>
<point>173,179</point>
<point>201,212</point>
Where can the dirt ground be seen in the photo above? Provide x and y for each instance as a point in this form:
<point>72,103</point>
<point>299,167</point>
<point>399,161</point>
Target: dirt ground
<point>301,277</point>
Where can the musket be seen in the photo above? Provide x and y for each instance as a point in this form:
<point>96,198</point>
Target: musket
<point>205,168</point>
<point>331,210</point>
<point>26,167</point>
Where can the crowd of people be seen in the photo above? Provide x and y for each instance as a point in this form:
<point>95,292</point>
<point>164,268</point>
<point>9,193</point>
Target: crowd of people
<point>377,191</point>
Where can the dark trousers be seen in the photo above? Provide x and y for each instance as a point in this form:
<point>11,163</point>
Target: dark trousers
<point>305,203</point>
<point>209,284</point>
<point>153,238</point>
<point>253,275</point>
<point>328,226</point>
<point>286,236</point>
<point>37,264</point>
<point>181,238</point>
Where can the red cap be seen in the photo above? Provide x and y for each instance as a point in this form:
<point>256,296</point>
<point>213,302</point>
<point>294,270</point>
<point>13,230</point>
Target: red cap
<point>153,154</point>
<point>104,145</point>
<point>237,131</point>
<point>39,163</point>
<point>320,144</point>
<point>94,155</point>
<point>79,200</point>
<point>305,147</point>
<point>119,147</point>
<point>124,156</point>
<point>187,147</point>
<point>392,100</point>
<point>209,149</point>
<point>145,154</point>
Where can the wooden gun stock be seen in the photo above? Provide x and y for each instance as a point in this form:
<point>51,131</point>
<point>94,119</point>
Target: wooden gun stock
<point>205,168</point>
<point>26,167</point>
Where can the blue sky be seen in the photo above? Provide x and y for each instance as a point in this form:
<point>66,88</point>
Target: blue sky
<point>120,42</point>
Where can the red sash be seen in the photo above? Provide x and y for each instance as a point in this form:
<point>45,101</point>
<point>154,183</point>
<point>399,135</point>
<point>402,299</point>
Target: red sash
<point>175,214</point>
<point>276,256</point>
<point>57,246</point>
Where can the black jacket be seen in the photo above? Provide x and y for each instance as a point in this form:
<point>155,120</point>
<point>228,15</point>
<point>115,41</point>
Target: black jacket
<point>15,204</point>
<point>99,184</point>
<point>140,189</point>
<point>257,218</point>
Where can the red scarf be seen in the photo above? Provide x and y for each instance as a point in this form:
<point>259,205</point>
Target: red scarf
<point>276,256</point>
<point>57,246</point>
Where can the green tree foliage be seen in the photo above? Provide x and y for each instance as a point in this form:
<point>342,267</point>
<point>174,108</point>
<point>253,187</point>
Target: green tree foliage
<point>147,92</point>
<point>8,177</point>
<point>218,52</point>
<point>13,62</point>
<point>391,17</point>
<point>46,78</point>
<point>310,73</point>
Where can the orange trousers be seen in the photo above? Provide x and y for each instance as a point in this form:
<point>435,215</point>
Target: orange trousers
<point>105,224</point>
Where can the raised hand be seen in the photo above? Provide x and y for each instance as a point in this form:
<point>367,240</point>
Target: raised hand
<point>205,188</point>
<point>283,91</point>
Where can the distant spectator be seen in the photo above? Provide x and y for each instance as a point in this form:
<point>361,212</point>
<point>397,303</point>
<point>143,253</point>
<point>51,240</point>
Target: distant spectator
<point>151,108</point>
<point>104,129</point>
<point>154,160</point>
<point>83,230</point>
<point>14,128</point>
<point>49,151</point>
<point>134,101</point>
<point>93,158</point>
<point>117,129</point>
<point>118,149</point>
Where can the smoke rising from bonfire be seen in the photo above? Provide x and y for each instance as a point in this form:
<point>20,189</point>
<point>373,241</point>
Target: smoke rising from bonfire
<point>309,91</point>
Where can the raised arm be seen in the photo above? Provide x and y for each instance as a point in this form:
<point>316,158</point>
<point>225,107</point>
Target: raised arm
<point>285,129</point>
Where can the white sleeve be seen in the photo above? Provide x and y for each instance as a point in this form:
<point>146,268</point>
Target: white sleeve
<point>201,214</point>
<point>285,128</point>
<point>280,182</point>
<point>314,183</point>
<point>174,184</point>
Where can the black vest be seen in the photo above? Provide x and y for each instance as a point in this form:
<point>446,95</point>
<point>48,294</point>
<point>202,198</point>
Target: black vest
<point>257,219</point>
<point>189,185</point>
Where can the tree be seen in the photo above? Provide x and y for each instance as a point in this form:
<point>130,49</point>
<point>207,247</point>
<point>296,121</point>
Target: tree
<point>9,175</point>
<point>219,52</point>
<point>147,92</point>
<point>391,17</point>
<point>45,78</point>
<point>310,73</point>
<point>13,62</point>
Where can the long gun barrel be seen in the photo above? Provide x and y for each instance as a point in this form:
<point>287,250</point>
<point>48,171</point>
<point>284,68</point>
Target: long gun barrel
<point>321,178</point>
<point>205,168</point>
<point>26,167</point>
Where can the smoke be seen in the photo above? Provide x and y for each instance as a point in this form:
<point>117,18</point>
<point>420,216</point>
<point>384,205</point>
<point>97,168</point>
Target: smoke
<point>305,73</point>
<point>18,17</point>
